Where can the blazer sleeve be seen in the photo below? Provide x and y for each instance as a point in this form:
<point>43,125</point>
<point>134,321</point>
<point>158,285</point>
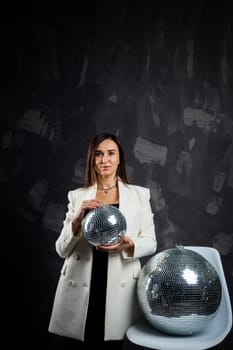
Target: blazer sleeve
<point>66,240</point>
<point>142,230</point>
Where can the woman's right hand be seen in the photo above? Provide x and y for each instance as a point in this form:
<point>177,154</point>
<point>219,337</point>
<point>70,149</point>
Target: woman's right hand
<point>85,207</point>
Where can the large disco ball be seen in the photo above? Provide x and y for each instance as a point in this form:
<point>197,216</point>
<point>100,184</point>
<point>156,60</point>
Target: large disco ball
<point>104,225</point>
<point>179,291</point>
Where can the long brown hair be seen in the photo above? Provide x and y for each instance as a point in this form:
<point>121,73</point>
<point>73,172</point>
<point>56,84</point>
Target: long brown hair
<point>90,173</point>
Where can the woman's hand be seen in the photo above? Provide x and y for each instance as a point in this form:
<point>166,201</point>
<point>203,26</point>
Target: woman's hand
<point>125,243</point>
<point>85,207</point>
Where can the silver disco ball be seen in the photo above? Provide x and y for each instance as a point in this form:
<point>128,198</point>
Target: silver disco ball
<point>104,225</point>
<point>179,291</point>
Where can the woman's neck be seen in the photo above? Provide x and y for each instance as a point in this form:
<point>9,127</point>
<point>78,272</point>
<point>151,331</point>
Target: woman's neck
<point>106,183</point>
<point>107,191</point>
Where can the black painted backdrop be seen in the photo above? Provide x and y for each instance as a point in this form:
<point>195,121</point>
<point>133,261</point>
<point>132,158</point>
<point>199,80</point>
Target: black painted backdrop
<point>159,76</point>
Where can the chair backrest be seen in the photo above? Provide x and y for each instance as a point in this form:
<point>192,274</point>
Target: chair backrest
<point>144,334</point>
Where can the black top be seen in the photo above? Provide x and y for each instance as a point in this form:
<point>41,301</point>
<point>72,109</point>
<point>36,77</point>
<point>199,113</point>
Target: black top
<point>96,309</point>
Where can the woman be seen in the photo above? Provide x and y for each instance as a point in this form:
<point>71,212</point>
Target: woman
<point>96,298</point>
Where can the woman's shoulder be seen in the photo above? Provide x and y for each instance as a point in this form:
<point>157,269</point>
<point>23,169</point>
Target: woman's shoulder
<point>78,191</point>
<point>137,188</point>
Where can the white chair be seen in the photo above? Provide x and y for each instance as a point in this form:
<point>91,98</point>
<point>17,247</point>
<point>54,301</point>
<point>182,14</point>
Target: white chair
<point>144,334</point>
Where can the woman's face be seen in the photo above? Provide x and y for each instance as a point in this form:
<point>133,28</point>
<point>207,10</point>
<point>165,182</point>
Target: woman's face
<point>107,158</point>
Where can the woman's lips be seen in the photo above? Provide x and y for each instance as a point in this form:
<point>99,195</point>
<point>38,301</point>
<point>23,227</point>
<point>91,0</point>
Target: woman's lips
<point>105,168</point>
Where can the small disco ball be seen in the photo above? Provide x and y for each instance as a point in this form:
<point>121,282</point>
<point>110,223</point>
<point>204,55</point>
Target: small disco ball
<point>104,225</point>
<point>179,291</point>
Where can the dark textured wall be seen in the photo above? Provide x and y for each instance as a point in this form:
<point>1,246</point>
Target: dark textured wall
<point>157,75</point>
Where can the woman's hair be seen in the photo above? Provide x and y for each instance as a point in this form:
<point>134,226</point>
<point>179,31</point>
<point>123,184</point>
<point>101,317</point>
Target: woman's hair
<point>90,173</point>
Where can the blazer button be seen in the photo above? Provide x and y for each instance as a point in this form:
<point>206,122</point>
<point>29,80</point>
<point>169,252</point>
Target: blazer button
<point>123,284</point>
<point>71,283</point>
<point>77,257</point>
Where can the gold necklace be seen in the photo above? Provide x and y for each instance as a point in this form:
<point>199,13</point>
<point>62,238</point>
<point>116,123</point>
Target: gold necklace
<point>105,190</point>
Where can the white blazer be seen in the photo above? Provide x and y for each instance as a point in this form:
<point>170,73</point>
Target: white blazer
<point>72,295</point>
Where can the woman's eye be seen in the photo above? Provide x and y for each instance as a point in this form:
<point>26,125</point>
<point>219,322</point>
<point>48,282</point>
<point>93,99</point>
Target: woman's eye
<point>98,154</point>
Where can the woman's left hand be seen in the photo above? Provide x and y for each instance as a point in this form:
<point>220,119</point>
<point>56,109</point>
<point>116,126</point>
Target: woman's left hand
<point>125,243</point>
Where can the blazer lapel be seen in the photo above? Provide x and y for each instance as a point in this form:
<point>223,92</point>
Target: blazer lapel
<point>90,192</point>
<point>124,197</point>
